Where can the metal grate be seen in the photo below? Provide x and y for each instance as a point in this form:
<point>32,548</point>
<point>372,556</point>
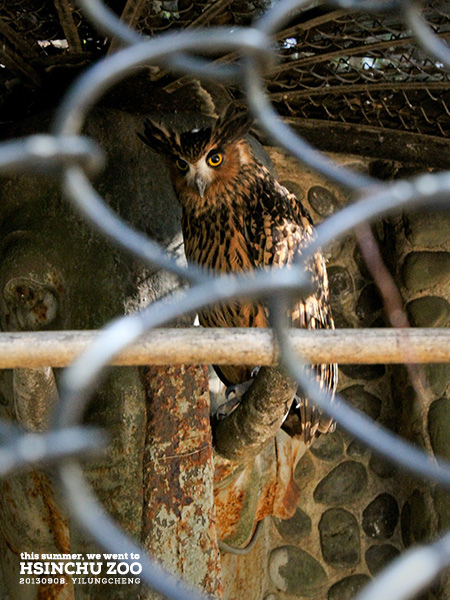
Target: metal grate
<point>337,66</point>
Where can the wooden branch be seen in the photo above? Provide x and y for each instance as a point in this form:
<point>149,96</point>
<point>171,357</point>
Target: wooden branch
<point>24,47</point>
<point>209,13</point>
<point>241,346</point>
<point>130,16</point>
<point>242,435</point>
<point>362,140</point>
<point>65,13</point>
<point>17,65</point>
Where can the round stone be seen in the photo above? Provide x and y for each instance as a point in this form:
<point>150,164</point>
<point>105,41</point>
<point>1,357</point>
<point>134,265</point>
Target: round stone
<point>340,322</point>
<point>362,400</point>
<point>341,284</point>
<point>405,525</point>
<point>295,528</point>
<point>438,376</point>
<point>332,250</point>
<point>380,518</point>
<point>339,538</point>
<point>358,449</point>
<point>369,372</point>
<point>422,270</point>
<point>347,588</point>
<point>296,572</point>
<point>322,200</point>
<point>378,557</point>
<point>328,447</point>
<point>294,188</point>
<point>429,311</point>
<point>343,484</point>
<point>427,228</point>
<point>369,303</point>
<point>381,467</point>
<point>439,427</point>
<point>377,323</point>
<point>421,526</point>
<point>442,506</point>
<point>304,471</point>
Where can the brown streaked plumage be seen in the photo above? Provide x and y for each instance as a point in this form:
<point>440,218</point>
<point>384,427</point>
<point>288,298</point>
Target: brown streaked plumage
<point>237,217</point>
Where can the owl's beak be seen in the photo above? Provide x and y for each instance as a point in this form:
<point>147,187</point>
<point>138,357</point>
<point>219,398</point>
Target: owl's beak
<point>200,184</point>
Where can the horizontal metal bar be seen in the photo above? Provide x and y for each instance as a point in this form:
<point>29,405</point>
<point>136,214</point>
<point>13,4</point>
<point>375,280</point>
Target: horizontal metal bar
<point>346,52</point>
<point>337,90</point>
<point>239,346</point>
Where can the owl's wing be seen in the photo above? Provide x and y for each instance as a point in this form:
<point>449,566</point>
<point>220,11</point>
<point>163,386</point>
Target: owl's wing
<point>278,230</point>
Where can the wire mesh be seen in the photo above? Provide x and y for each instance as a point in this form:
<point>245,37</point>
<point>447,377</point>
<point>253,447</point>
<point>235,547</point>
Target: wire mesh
<point>349,49</point>
<point>336,64</point>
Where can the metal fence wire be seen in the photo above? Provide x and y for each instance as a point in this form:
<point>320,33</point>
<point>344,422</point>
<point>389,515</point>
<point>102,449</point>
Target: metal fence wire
<point>72,158</point>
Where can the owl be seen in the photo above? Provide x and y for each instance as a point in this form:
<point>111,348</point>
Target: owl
<point>237,217</point>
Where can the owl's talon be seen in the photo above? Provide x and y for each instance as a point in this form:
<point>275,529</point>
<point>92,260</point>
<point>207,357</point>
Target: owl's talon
<point>255,372</point>
<point>238,389</point>
<point>227,408</point>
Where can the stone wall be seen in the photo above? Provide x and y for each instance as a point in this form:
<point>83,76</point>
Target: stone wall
<point>357,512</point>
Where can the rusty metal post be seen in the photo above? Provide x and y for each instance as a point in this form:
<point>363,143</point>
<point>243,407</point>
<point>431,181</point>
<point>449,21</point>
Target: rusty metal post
<point>179,515</point>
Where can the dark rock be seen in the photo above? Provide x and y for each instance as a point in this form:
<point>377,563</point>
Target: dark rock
<point>380,518</point>
<point>339,538</point>
<point>304,471</point>
<point>322,200</point>
<point>427,228</point>
<point>328,447</point>
<point>343,484</point>
<point>381,467</point>
<point>368,372</point>
<point>341,284</point>
<point>421,526</point>
<point>347,588</point>
<point>362,400</point>
<point>358,449</point>
<point>296,572</point>
<point>332,250</point>
<point>369,303</point>
<point>377,323</point>
<point>405,525</point>
<point>429,311</point>
<point>442,506</point>
<point>294,188</point>
<point>378,557</point>
<point>340,322</point>
<point>422,270</point>
<point>439,427</point>
<point>438,376</point>
<point>295,528</point>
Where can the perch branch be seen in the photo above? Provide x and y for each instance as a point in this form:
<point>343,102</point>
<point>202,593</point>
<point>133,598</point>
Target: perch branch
<point>242,435</point>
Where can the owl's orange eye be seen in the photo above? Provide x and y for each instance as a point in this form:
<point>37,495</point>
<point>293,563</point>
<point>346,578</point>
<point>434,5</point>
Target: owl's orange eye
<point>215,160</point>
<point>182,165</point>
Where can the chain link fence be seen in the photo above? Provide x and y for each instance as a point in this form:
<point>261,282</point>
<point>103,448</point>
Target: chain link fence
<point>294,89</point>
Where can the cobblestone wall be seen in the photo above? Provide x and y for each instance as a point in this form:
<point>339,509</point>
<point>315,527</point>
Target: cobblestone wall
<point>356,511</point>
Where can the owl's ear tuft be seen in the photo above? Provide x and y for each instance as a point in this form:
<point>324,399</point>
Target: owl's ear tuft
<point>232,126</point>
<point>155,136</point>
